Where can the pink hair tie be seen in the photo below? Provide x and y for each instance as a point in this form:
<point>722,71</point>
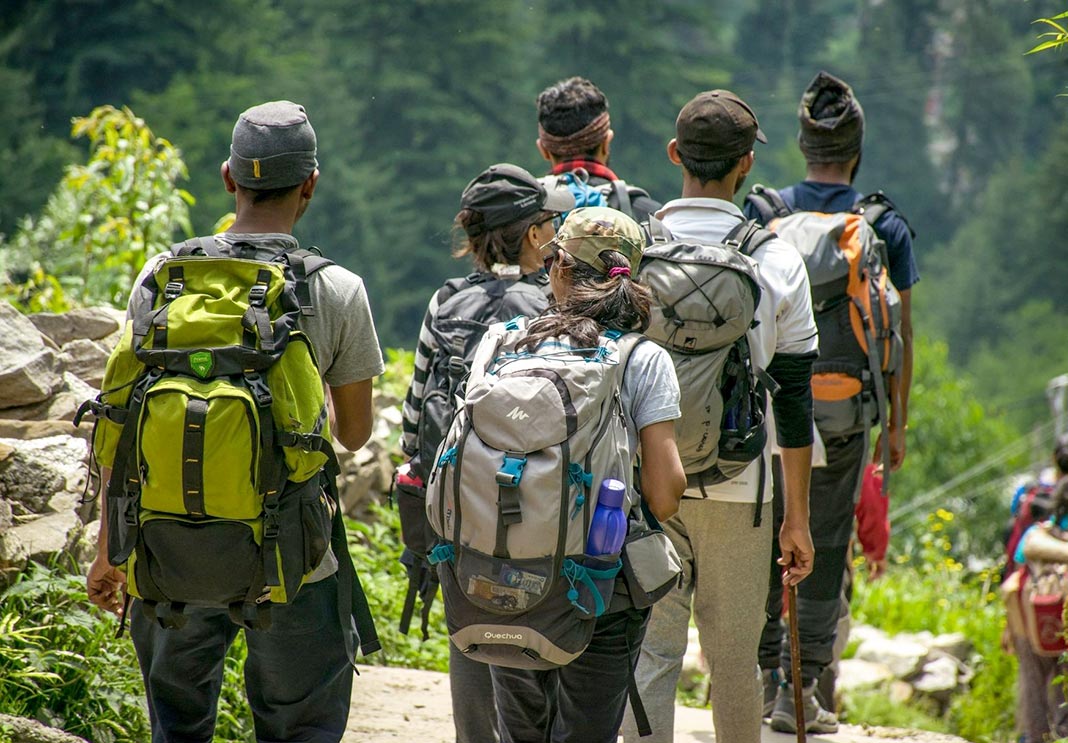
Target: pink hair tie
<point>618,271</point>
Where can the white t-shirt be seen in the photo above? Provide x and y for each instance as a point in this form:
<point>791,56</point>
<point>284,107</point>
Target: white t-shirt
<point>785,323</point>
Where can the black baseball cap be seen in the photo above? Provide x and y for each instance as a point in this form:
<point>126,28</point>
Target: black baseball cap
<point>716,125</point>
<point>505,193</point>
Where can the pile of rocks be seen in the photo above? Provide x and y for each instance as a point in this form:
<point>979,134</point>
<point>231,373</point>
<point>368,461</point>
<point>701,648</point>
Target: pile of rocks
<point>919,667</point>
<point>49,364</point>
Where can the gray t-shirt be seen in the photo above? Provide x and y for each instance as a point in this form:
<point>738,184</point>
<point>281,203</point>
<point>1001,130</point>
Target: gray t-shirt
<point>650,391</point>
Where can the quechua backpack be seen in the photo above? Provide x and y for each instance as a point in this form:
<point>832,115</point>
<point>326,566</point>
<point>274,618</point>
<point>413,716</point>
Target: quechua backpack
<point>857,309</point>
<point>213,420</point>
<point>704,301</point>
<point>467,306</point>
<point>513,492</point>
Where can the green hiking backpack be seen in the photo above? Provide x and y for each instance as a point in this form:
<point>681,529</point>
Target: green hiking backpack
<point>212,417</point>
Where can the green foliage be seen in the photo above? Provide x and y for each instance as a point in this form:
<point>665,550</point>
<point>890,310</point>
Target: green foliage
<point>957,455</point>
<point>375,548</point>
<point>931,589</point>
<point>1054,39</point>
<point>104,219</point>
<point>60,662</point>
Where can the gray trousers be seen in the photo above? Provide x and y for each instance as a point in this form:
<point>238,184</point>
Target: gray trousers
<point>474,712</point>
<point>725,569</point>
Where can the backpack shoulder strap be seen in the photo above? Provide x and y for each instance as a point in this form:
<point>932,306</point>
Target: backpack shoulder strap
<point>204,245</point>
<point>749,236</point>
<point>875,205</point>
<point>656,231</point>
<point>621,193</point>
<point>303,263</point>
<point>768,203</point>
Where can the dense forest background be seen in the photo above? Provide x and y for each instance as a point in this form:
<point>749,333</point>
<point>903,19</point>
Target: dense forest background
<point>411,99</point>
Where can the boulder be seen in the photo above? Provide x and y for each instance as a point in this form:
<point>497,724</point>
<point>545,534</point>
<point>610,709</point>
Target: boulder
<point>61,406</point>
<point>13,557</point>
<point>47,535</point>
<point>854,673</point>
<point>955,644</point>
<point>902,656</point>
<point>86,360</point>
<point>939,679</point>
<point>23,430</point>
<point>38,469</point>
<point>92,323</point>
<point>29,370</point>
<point>23,730</point>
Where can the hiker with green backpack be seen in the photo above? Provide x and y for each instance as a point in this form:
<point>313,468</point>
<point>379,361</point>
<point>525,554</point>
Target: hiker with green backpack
<point>505,218</point>
<point>575,136</point>
<point>732,306</point>
<point>858,251</point>
<point>546,551</point>
<point>215,437</point>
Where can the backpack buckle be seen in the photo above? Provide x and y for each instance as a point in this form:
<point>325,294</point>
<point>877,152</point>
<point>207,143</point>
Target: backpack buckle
<point>257,295</point>
<point>172,290</point>
<point>456,367</point>
<point>259,389</point>
<point>511,471</point>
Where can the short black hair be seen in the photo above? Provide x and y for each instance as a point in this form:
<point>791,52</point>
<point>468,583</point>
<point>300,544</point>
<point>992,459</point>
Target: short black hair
<point>570,105</point>
<point>260,196</point>
<point>709,170</point>
<point>1060,454</point>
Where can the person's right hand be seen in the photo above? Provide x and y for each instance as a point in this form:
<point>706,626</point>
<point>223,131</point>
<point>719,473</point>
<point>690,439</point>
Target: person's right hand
<point>106,585</point>
<point>795,543</point>
<point>876,568</point>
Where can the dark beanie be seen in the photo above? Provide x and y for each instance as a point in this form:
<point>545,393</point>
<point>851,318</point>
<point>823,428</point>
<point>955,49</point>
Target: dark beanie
<point>832,121</point>
<point>273,147</point>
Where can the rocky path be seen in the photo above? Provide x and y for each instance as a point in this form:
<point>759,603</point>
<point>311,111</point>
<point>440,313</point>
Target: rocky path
<point>394,705</point>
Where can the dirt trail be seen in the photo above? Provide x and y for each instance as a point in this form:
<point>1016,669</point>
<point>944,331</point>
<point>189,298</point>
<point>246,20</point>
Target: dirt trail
<point>399,704</point>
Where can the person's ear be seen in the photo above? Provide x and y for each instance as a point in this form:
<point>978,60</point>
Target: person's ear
<point>228,180</point>
<point>606,146</point>
<point>308,187</point>
<point>673,152</point>
<point>546,155</point>
<point>746,163</point>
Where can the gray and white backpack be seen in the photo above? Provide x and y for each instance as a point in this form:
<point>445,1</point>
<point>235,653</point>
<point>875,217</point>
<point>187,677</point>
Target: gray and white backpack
<point>705,299</point>
<point>513,492</point>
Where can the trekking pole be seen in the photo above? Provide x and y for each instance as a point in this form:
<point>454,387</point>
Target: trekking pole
<point>795,662</point>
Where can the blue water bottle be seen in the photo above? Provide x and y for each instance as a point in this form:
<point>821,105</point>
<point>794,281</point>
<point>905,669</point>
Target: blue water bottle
<point>608,527</point>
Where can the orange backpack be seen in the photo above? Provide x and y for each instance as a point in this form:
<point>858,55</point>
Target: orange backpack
<point>857,308</point>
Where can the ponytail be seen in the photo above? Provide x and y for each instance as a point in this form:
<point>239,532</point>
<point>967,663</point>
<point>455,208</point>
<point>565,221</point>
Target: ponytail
<point>596,302</point>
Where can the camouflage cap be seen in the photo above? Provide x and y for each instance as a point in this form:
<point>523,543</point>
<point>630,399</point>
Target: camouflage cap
<point>590,230</point>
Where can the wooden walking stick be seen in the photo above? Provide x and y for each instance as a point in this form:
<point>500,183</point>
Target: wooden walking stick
<point>795,662</point>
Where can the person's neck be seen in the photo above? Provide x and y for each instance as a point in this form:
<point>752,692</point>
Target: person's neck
<point>692,188</point>
<point>832,173</point>
<point>251,220</point>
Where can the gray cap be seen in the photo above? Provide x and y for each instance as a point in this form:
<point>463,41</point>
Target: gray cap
<point>832,121</point>
<point>273,147</point>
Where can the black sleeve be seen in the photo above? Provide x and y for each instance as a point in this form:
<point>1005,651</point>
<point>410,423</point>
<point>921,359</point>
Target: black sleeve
<point>793,402</point>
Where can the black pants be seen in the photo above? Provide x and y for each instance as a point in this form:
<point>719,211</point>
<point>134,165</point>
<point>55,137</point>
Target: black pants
<point>297,676</point>
<point>584,701</point>
<point>832,503</point>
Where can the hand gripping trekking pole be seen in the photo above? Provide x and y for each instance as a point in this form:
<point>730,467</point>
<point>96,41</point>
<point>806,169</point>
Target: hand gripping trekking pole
<point>795,662</point>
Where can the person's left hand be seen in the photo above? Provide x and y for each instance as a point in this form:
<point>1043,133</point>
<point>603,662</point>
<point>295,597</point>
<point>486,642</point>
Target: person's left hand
<point>897,449</point>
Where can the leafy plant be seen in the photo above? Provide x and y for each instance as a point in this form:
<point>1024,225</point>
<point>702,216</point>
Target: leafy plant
<point>375,548</point>
<point>930,588</point>
<point>60,662</point>
<point>104,219</point>
<point>1054,39</point>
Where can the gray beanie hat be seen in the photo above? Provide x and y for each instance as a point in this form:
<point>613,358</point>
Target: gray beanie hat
<point>832,121</point>
<point>273,147</point>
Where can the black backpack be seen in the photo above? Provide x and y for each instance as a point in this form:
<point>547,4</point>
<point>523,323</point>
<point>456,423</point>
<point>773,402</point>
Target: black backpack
<point>467,306</point>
